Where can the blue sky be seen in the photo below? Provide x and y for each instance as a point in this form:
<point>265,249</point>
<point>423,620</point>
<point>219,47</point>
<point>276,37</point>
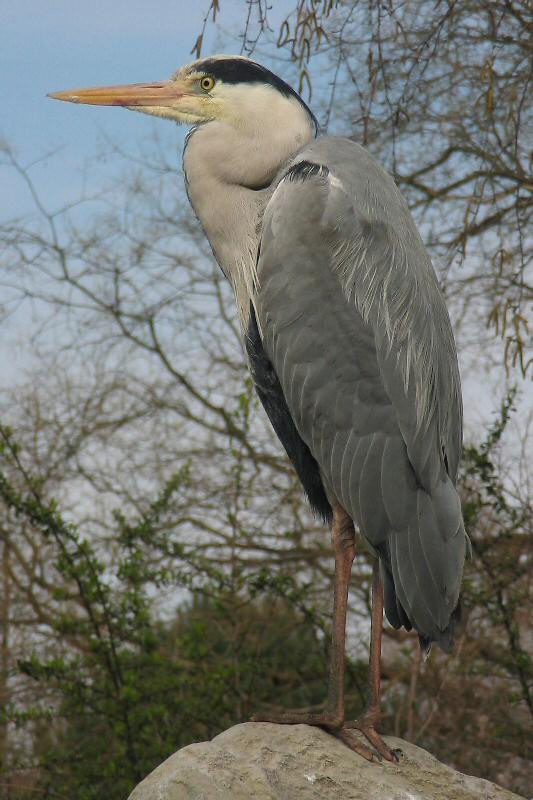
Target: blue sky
<point>69,44</point>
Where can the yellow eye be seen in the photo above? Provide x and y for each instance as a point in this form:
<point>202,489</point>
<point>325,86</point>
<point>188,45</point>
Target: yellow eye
<point>207,83</point>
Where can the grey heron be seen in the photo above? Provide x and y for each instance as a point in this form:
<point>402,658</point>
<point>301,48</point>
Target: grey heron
<point>348,341</point>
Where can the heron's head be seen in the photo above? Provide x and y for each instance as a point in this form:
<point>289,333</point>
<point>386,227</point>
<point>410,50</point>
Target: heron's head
<point>232,89</point>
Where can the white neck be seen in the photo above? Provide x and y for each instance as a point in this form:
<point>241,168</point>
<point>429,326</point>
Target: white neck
<point>230,166</point>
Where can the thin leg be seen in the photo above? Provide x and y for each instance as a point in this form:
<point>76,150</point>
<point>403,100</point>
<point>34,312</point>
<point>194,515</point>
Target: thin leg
<point>332,717</point>
<point>370,719</point>
<point>343,536</point>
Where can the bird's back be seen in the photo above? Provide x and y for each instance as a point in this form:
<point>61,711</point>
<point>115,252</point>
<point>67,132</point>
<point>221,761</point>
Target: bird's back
<point>355,327</point>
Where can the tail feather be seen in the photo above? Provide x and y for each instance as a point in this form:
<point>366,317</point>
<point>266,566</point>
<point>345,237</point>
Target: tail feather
<point>425,646</point>
<point>394,610</point>
<point>424,565</point>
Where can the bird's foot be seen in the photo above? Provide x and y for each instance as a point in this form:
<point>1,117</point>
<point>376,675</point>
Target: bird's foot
<point>333,723</point>
<point>367,726</point>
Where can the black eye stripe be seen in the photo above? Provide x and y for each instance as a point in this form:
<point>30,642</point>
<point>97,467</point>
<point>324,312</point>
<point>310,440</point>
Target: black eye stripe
<point>236,70</point>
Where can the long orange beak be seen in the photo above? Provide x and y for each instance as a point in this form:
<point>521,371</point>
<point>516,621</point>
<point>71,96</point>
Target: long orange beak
<point>166,93</point>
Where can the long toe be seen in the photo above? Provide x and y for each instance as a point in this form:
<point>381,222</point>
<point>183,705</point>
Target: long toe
<point>375,739</point>
<point>323,719</point>
<point>332,724</point>
<point>346,735</point>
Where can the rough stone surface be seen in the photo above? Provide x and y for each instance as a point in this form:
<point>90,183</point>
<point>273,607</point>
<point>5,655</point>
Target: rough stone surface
<point>296,762</point>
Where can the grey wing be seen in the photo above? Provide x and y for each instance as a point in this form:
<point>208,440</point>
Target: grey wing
<point>354,323</point>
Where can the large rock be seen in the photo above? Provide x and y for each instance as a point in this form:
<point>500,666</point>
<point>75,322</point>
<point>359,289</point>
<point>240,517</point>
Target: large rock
<point>296,762</point>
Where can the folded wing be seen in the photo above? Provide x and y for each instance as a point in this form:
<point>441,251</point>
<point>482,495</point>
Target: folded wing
<point>354,325</point>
